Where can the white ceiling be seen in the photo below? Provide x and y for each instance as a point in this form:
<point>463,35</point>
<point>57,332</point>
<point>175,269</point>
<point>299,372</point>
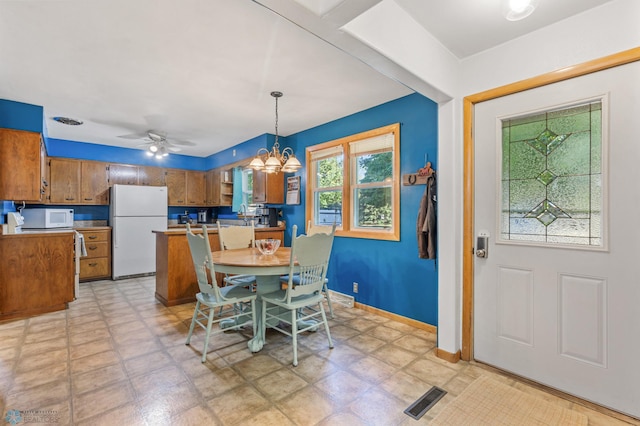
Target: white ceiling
<point>202,70</point>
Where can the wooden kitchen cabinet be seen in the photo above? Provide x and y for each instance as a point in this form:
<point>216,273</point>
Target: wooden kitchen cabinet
<point>196,188</point>
<point>123,174</point>
<point>64,181</point>
<point>97,263</point>
<point>150,176</point>
<point>21,171</point>
<point>176,181</point>
<point>268,188</point>
<point>94,182</point>
<point>78,182</point>
<point>211,195</point>
<point>37,273</point>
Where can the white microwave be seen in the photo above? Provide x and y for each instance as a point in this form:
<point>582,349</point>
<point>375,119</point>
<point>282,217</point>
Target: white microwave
<point>47,218</point>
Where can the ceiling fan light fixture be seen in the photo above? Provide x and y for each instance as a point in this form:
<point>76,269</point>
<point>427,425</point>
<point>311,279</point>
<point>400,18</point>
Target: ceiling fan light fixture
<point>153,148</point>
<point>275,161</point>
<point>515,10</point>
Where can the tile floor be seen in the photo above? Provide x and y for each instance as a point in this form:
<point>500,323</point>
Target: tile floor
<point>117,357</point>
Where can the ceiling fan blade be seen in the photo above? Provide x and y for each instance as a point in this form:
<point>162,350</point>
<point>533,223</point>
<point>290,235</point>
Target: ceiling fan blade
<point>179,142</point>
<point>135,136</point>
<point>173,148</point>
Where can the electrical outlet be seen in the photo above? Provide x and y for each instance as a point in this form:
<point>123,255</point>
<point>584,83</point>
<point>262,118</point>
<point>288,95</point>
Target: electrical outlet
<point>355,287</point>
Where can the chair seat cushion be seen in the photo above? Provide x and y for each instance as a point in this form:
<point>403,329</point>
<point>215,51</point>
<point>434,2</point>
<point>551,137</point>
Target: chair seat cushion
<point>230,294</point>
<point>296,279</point>
<point>279,298</point>
<point>242,280</point>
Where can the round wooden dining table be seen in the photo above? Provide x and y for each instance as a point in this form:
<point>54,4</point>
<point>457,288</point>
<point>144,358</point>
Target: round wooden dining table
<point>267,270</point>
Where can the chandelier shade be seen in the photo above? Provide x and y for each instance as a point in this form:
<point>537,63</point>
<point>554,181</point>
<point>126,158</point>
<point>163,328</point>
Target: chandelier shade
<point>275,161</point>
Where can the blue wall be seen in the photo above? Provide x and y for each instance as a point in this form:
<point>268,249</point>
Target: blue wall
<point>390,275</point>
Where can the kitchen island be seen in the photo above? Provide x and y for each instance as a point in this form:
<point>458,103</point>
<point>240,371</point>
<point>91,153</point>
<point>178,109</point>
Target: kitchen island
<point>175,275</point>
<point>37,272</point>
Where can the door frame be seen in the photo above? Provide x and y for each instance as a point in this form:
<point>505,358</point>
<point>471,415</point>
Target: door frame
<point>468,203</point>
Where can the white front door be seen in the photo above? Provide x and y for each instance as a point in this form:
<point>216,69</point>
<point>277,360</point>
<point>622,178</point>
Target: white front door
<point>557,299</point>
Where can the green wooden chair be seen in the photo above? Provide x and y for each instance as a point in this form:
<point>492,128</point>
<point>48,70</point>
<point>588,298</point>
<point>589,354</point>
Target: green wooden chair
<point>312,230</point>
<point>211,296</point>
<point>237,237</point>
<point>308,262</point>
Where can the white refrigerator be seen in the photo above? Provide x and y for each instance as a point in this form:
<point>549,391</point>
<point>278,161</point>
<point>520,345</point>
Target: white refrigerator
<point>135,212</point>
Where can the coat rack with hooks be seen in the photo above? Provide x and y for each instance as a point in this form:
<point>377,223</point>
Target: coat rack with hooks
<point>421,176</point>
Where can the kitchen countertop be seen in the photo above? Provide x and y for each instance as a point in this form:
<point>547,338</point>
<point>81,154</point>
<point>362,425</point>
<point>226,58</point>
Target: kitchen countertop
<point>29,231</point>
<point>211,228</point>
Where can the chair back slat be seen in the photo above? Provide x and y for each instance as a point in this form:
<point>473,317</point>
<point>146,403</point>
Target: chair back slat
<point>236,237</point>
<point>202,261</point>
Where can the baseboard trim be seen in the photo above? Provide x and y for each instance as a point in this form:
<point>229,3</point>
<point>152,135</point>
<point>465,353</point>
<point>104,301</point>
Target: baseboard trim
<point>448,356</point>
<point>414,323</point>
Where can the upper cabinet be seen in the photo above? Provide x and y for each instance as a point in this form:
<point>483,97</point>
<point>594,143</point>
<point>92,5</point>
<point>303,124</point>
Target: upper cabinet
<point>64,181</point>
<point>21,172</point>
<point>78,182</point>
<point>268,188</point>
<point>150,176</point>
<point>176,181</point>
<point>196,188</point>
<point>123,174</point>
<point>94,182</point>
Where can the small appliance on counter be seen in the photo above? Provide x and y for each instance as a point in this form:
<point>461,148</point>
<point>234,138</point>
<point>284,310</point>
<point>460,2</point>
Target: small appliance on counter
<point>267,216</point>
<point>48,218</point>
<point>15,221</point>
<point>184,218</point>
<point>207,215</point>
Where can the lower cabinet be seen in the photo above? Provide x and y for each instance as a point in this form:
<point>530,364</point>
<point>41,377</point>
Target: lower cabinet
<point>97,263</point>
<point>37,273</point>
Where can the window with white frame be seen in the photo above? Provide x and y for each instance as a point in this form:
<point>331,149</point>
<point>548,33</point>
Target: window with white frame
<point>362,194</point>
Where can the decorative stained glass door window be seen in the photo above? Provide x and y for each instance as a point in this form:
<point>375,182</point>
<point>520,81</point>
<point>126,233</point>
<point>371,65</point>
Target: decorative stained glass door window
<point>552,177</point>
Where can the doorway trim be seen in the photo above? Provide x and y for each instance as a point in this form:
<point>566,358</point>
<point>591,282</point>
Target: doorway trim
<point>469,102</point>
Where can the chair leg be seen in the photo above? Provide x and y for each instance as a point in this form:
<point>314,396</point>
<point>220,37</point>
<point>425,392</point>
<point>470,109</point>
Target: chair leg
<point>263,325</point>
<point>326,293</point>
<point>294,335</point>
<point>193,322</point>
<point>326,325</point>
<point>253,316</point>
<point>212,312</point>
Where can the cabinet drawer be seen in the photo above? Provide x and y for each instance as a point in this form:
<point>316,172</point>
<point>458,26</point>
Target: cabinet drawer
<point>99,249</point>
<point>90,236</point>
<point>94,267</point>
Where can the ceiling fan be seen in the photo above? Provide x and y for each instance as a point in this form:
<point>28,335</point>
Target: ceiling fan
<point>157,144</point>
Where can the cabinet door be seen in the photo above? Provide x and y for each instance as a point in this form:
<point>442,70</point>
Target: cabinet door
<point>176,181</point>
<point>123,174</point>
<point>196,188</point>
<point>259,187</point>
<point>64,181</point>
<point>268,188</point>
<point>150,176</point>
<point>95,183</point>
<point>20,178</point>
<point>209,188</point>
<point>44,172</point>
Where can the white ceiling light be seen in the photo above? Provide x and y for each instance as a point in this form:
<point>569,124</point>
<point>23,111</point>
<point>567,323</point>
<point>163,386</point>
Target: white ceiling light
<point>274,161</point>
<point>515,10</point>
<point>158,150</point>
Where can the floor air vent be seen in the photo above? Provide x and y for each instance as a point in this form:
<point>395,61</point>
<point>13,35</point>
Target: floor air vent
<point>425,402</point>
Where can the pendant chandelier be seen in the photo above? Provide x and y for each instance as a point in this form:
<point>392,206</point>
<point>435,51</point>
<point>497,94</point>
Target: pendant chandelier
<point>275,161</point>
